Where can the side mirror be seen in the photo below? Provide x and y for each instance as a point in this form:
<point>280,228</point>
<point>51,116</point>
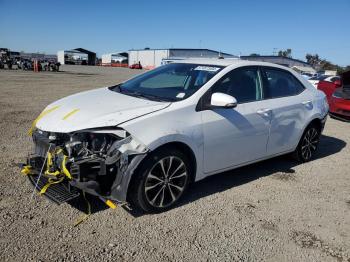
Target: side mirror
<point>223,100</point>
<point>338,83</point>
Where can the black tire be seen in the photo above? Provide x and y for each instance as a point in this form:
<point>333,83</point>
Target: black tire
<point>308,144</point>
<point>151,180</point>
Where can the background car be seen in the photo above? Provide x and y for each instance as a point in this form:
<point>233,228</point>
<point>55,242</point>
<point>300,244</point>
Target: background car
<point>329,85</point>
<point>307,75</point>
<point>315,79</point>
<point>339,102</point>
<point>135,66</point>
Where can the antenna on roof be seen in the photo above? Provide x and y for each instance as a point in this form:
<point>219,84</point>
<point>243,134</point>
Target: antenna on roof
<point>220,55</point>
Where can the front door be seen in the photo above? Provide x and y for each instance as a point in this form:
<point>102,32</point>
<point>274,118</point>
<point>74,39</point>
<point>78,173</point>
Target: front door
<point>236,136</point>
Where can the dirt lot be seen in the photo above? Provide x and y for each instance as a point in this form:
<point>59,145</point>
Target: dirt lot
<point>276,210</point>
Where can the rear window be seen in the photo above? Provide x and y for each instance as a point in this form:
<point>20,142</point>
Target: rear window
<point>333,79</point>
<point>280,83</point>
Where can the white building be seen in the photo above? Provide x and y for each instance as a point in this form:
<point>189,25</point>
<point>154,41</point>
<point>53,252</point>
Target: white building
<point>296,64</point>
<point>151,58</point>
<point>77,56</point>
<point>118,58</point>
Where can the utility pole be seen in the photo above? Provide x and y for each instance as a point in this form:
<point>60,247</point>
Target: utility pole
<point>274,52</point>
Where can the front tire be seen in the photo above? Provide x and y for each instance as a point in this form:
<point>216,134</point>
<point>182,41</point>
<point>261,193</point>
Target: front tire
<point>161,180</point>
<point>308,144</point>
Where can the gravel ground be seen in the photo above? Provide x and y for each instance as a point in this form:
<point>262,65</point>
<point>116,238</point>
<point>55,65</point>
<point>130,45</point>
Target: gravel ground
<point>276,210</point>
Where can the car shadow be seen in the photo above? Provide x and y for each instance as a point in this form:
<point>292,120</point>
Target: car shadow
<point>229,179</point>
<point>80,203</point>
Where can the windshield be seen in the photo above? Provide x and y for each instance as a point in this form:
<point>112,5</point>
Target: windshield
<point>171,82</point>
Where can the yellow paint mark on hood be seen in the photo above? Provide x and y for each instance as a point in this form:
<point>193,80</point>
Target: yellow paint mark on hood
<point>70,114</point>
<point>43,113</point>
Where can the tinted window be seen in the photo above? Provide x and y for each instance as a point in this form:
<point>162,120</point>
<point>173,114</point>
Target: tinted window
<point>243,83</point>
<point>280,83</point>
<point>320,77</point>
<point>333,79</point>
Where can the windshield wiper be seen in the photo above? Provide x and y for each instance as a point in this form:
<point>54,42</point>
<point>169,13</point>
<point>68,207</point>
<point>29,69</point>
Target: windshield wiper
<point>119,88</point>
<point>147,96</point>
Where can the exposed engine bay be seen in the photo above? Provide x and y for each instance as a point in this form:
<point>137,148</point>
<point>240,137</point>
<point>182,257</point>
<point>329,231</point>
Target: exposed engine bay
<point>94,161</point>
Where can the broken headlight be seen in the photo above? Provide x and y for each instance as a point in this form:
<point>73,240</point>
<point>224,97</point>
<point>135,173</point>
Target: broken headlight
<point>97,143</point>
<point>106,144</point>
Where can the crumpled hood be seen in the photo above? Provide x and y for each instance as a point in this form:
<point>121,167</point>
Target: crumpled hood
<point>96,108</point>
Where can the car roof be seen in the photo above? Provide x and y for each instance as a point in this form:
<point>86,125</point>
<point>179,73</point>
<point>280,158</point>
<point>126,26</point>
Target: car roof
<point>227,62</point>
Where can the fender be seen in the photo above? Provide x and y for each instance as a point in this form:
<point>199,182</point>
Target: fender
<point>314,117</point>
<point>119,190</point>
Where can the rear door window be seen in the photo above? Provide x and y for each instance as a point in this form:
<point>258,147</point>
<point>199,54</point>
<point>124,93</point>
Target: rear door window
<point>280,83</point>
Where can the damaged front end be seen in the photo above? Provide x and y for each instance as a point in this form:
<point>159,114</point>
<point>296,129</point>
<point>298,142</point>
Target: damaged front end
<point>97,161</point>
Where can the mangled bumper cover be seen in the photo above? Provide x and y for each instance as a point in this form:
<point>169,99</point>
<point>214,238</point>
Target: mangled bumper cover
<point>99,162</point>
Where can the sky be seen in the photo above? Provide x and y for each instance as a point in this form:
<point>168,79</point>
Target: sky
<point>239,27</point>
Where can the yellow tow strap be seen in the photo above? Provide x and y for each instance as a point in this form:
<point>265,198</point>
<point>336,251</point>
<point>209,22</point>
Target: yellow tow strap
<point>26,170</point>
<point>111,204</point>
<point>51,182</point>
<point>85,216</point>
<point>64,171</point>
<point>64,168</point>
<point>49,164</point>
<point>42,114</point>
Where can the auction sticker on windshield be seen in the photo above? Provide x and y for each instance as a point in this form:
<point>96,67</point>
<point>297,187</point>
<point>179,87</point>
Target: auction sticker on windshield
<point>180,95</point>
<point>207,68</point>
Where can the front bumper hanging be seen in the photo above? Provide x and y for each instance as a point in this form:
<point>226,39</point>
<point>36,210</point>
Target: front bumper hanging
<point>58,193</point>
<point>63,178</point>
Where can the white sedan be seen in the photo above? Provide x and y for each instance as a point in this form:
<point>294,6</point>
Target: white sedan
<point>143,141</point>
<point>316,79</point>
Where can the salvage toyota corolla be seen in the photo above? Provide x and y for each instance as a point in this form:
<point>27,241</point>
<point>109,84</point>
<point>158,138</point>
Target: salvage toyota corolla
<point>142,142</point>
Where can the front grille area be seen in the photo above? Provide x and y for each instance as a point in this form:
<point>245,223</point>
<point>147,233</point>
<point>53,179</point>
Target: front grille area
<point>58,193</point>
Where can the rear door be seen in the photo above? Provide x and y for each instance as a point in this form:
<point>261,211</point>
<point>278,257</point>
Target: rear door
<point>289,104</point>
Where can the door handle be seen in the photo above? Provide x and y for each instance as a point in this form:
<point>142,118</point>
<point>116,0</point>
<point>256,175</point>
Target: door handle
<point>264,111</point>
<point>307,102</point>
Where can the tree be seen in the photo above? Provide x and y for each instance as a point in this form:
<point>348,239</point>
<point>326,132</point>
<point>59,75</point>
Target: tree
<point>313,60</point>
<point>285,53</point>
<point>254,54</point>
<point>341,70</point>
<point>323,64</point>
<point>326,65</point>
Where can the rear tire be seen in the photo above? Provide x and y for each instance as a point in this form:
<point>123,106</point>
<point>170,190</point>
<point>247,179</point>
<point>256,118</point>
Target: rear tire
<point>308,144</point>
<point>161,180</point>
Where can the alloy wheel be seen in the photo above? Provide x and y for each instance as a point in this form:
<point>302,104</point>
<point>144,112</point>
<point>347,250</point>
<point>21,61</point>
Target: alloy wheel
<point>166,182</point>
<point>309,143</point>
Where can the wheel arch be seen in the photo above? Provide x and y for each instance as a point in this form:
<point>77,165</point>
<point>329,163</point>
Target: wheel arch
<point>187,150</point>
<point>317,122</point>
<point>181,146</point>
<point>314,121</point>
